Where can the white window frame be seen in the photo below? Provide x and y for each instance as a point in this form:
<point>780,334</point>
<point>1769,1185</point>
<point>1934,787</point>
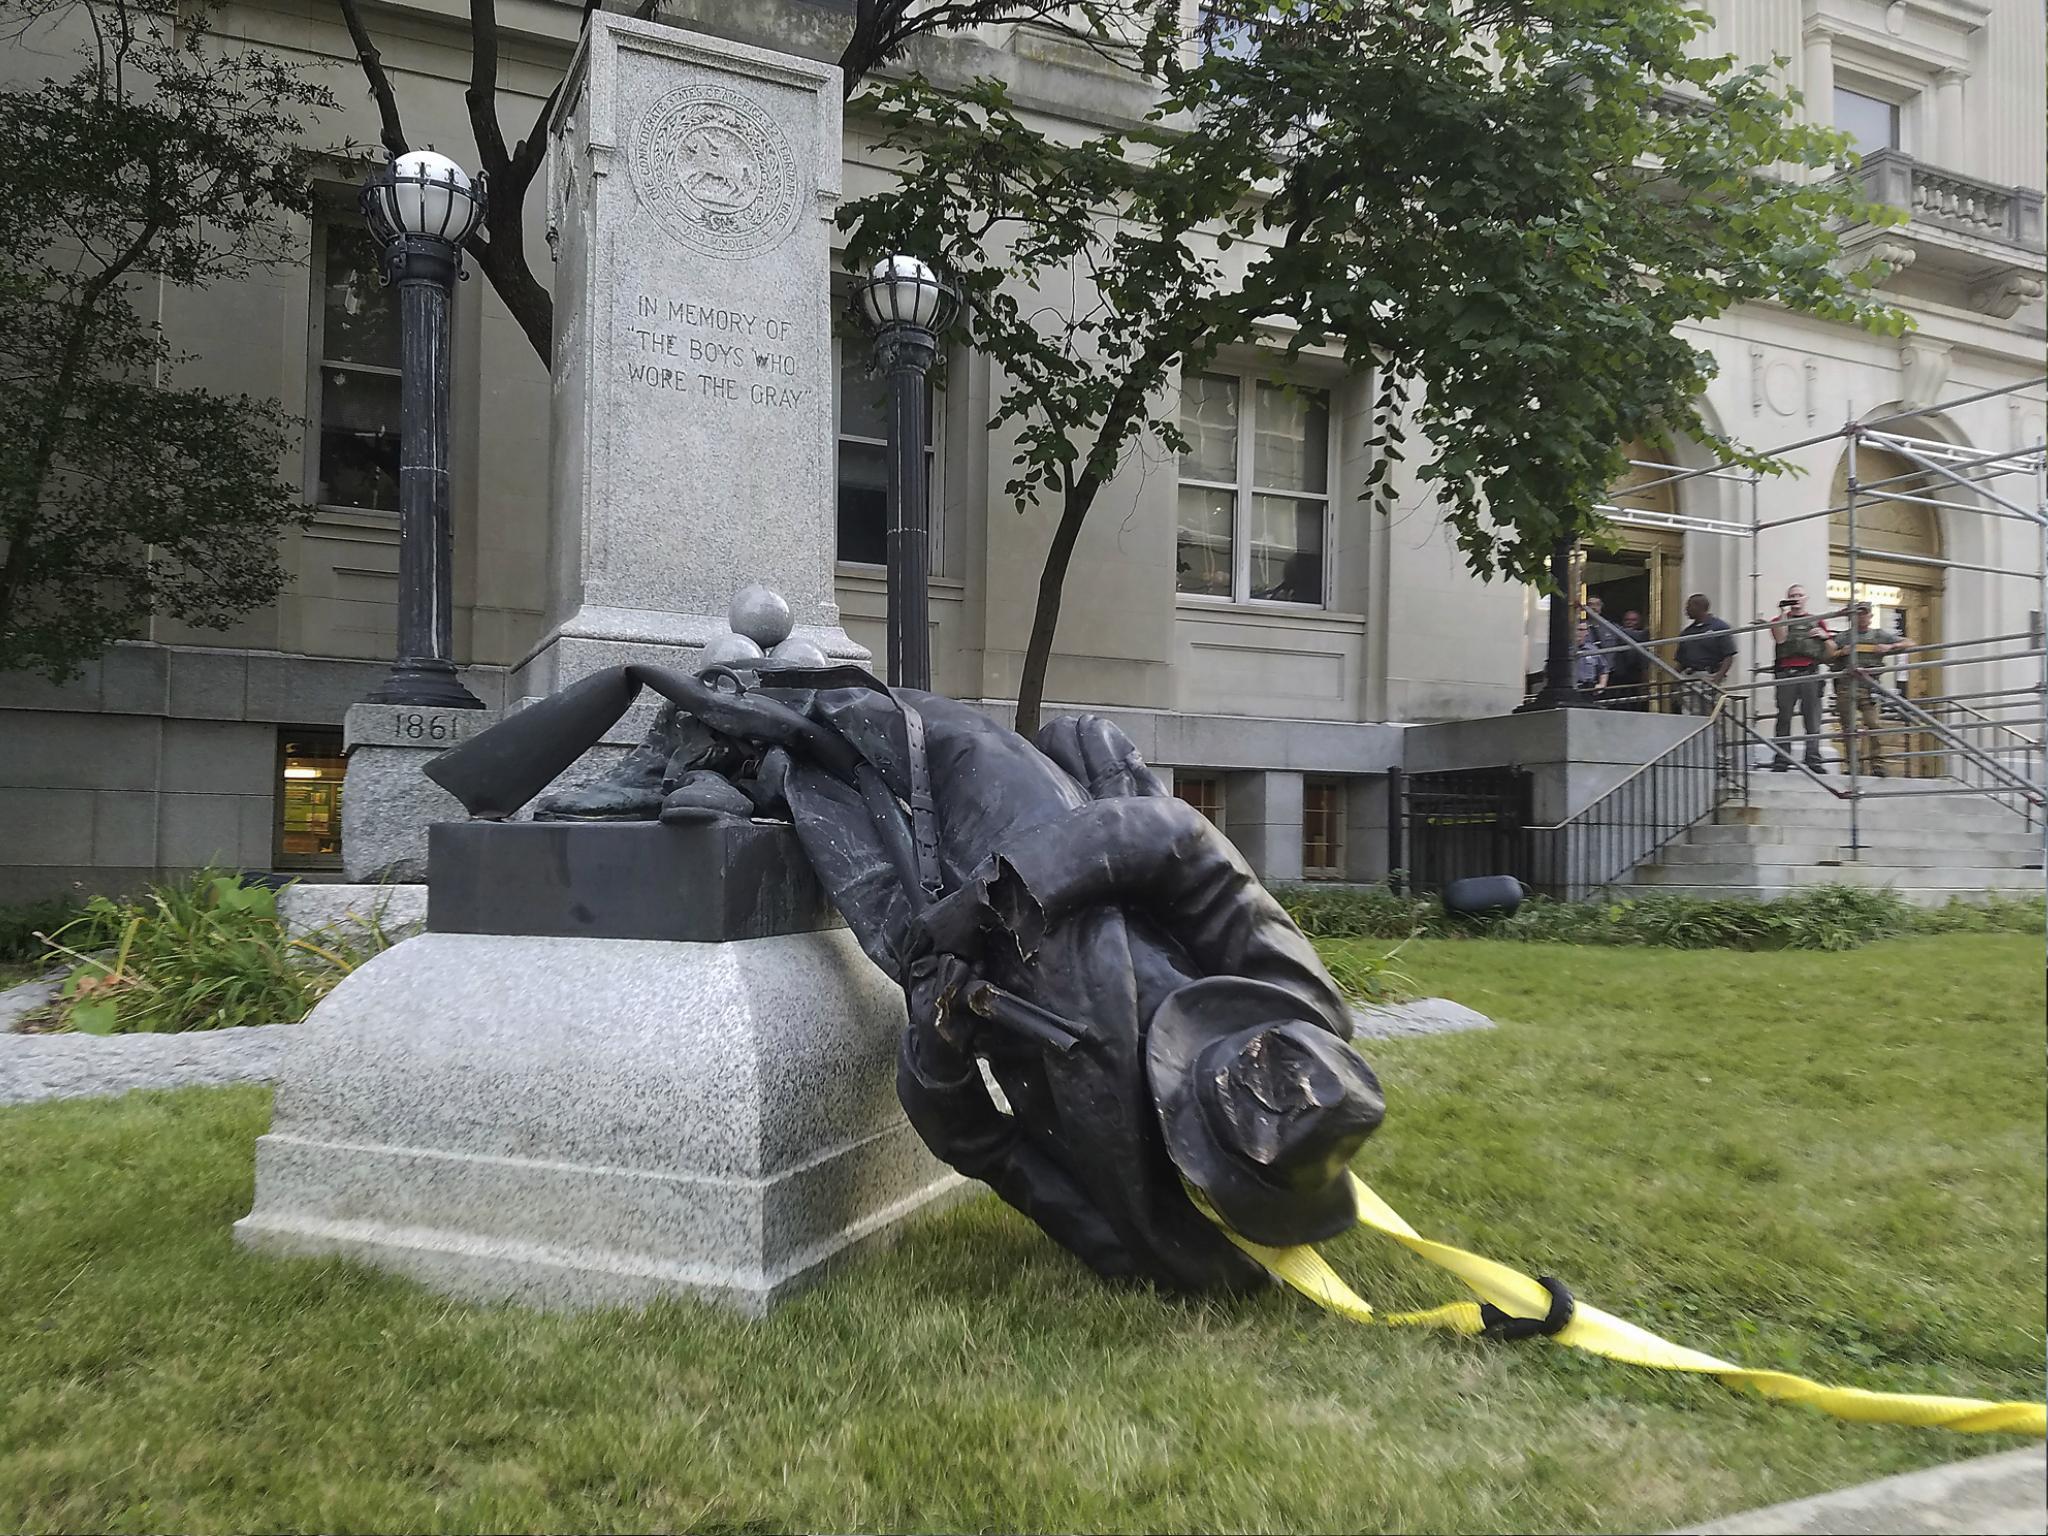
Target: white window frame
<point>1338,817</point>
<point>1243,489</point>
<point>328,211</point>
<point>1901,99</point>
<point>934,465</point>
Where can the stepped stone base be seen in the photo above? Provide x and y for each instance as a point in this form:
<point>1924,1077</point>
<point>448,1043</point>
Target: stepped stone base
<point>575,1121</point>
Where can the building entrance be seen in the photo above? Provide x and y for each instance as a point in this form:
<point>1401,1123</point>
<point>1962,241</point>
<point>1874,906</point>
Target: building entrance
<point>1904,597</point>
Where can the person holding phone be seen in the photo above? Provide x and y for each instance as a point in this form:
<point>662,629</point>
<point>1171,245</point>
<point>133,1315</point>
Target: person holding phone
<point>1802,642</point>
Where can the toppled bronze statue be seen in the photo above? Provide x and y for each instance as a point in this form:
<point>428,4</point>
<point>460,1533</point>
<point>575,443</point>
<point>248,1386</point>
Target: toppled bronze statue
<point>1147,1010</point>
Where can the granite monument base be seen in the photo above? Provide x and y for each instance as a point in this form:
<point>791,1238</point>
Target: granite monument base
<point>387,804</point>
<point>576,1121</point>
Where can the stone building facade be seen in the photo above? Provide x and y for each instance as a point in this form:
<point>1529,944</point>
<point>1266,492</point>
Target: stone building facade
<point>1263,633</point>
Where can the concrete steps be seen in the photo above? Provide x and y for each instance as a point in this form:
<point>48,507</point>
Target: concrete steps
<point>1829,855</point>
<point>1755,835</point>
<point>1791,835</point>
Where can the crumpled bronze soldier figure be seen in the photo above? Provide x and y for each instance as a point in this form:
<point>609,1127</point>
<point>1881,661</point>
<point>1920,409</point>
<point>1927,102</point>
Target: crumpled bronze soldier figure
<point>1149,1016</point>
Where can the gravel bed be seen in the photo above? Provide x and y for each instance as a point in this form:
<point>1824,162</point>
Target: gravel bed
<point>37,1067</point>
<point>1424,1016</point>
<point>21,1000</point>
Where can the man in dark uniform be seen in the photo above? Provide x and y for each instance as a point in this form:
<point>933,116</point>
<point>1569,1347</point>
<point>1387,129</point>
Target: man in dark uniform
<point>1628,668</point>
<point>1706,650</point>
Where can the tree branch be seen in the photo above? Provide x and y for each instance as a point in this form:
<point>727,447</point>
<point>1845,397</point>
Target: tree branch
<point>393,134</point>
<point>482,95</point>
<point>526,158</point>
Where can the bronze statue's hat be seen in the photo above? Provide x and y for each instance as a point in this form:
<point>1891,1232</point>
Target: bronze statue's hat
<point>1263,1106</point>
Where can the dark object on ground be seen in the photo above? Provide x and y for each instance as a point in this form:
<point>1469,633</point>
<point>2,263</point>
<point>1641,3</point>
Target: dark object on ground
<point>1039,905</point>
<point>1484,896</point>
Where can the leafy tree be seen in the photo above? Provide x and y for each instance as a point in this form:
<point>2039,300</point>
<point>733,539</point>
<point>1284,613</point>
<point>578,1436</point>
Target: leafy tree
<point>1504,209</point>
<point>122,494</point>
<point>878,31</point>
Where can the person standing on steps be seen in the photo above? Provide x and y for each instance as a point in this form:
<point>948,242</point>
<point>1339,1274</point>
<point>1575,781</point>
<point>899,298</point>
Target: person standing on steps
<point>1629,669</point>
<point>1862,652</point>
<point>1802,643</point>
<point>1590,666</point>
<point>1706,650</point>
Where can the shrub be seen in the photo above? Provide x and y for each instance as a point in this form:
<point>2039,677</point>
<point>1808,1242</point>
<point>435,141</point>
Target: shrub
<point>22,927</point>
<point>1360,911</point>
<point>1368,976</point>
<point>1994,914</point>
<point>207,953</point>
<point>1826,917</point>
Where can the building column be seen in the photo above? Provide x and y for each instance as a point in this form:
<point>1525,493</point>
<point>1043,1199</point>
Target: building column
<point>1949,146</point>
<point>1367,807</point>
<point>1262,816</point>
<point>1817,78</point>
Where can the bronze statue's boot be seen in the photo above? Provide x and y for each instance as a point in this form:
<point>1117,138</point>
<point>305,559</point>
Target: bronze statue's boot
<point>705,796</point>
<point>633,791</point>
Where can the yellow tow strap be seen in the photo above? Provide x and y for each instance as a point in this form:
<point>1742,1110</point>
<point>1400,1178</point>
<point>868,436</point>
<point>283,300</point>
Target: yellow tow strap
<point>1601,1333</point>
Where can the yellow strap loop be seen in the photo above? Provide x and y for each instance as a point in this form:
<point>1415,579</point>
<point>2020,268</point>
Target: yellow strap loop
<point>1601,1333</point>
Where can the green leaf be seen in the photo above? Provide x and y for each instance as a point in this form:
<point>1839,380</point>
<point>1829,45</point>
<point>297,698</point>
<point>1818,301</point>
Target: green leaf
<point>99,1017</point>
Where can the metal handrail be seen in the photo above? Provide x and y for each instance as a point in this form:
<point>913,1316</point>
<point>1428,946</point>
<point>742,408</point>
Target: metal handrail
<point>1707,722</point>
<point>1748,731</point>
<point>1942,731</point>
<point>1634,820</point>
<point>2028,745</point>
<point>1929,723</point>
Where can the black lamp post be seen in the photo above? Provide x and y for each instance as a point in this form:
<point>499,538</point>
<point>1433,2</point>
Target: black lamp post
<point>908,308</point>
<point>1560,689</point>
<point>420,208</point>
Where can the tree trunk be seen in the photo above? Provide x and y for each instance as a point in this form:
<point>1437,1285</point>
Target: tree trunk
<point>1045,619</point>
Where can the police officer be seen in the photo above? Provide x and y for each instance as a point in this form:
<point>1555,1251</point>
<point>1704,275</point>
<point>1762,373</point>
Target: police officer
<point>1706,650</point>
<point>1802,644</point>
<point>1862,654</point>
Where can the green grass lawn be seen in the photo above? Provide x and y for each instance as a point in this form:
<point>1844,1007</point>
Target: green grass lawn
<point>1827,1163</point>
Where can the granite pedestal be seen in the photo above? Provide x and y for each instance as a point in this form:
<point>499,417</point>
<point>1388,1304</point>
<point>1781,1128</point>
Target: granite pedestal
<point>566,1117</point>
<point>387,804</point>
<point>692,188</point>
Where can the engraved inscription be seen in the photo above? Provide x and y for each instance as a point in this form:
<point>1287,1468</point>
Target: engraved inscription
<point>674,345</point>
<point>717,170</point>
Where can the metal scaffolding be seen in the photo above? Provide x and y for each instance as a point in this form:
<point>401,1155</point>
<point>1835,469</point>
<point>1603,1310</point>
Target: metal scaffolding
<point>1984,741</point>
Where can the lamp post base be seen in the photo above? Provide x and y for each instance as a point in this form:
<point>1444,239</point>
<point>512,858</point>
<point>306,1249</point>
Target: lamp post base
<point>1550,696</point>
<point>427,684</point>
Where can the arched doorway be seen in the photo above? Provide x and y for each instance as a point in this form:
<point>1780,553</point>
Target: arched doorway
<point>1891,538</point>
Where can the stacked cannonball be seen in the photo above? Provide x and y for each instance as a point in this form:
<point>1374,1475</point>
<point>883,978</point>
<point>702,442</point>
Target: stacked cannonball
<point>760,631</point>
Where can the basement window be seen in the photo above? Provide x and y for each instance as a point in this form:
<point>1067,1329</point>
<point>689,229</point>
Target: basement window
<point>309,772</point>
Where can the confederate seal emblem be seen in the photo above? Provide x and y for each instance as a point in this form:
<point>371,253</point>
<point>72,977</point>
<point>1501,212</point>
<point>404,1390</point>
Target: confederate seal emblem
<point>717,170</point>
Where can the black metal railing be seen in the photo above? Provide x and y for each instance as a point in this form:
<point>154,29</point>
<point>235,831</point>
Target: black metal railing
<point>1603,842</point>
<point>1981,755</point>
<point>1462,823</point>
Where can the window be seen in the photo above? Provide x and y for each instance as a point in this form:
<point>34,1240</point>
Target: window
<point>1322,830</point>
<point>1254,490</point>
<point>1871,123</point>
<point>1203,792</point>
<point>863,414</point>
<point>355,380</point>
<point>309,799</point>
